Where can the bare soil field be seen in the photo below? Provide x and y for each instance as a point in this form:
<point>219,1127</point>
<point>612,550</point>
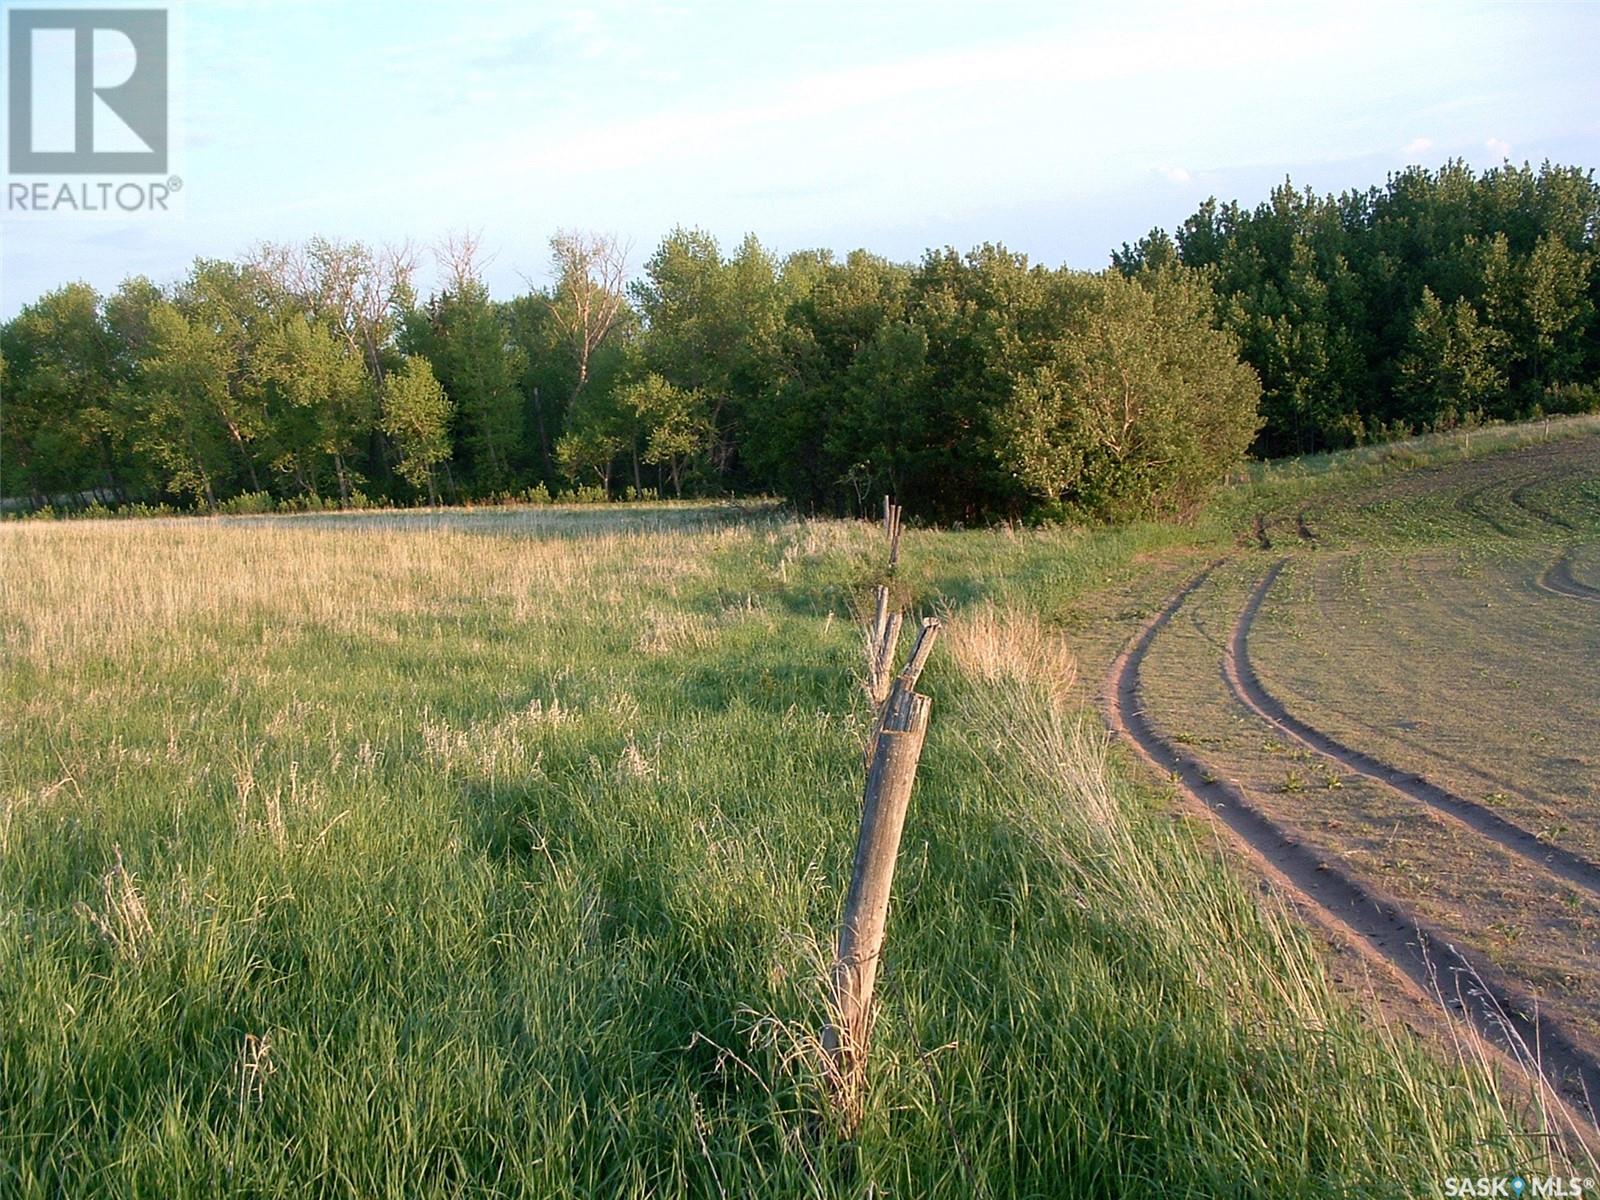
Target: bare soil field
<point>1391,702</point>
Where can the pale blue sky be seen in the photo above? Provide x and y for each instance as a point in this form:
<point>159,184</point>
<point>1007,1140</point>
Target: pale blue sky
<point>1059,129</point>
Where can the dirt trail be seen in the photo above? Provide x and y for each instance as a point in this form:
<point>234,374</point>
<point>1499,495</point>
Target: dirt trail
<point>1558,578</point>
<point>1425,963</point>
<point>1418,744</point>
<point>1471,504</point>
<point>1519,497</point>
<point>1247,687</point>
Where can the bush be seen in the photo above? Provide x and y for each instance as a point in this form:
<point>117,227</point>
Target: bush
<point>1137,408</point>
<point>1569,398</point>
<point>247,503</point>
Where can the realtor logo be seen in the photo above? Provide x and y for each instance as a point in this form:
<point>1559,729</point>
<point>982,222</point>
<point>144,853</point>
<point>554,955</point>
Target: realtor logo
<point>88,91</point>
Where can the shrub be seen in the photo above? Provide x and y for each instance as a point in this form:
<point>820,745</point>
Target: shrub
<point>1137,408</point>
<point>247,503</point>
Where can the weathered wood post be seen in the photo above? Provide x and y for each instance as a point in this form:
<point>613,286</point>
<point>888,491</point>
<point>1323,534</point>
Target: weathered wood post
<point>883,660</point>
<point>891,530</point>
<point>895,749</point>
<point>880,618</point>
<point>881,642</point>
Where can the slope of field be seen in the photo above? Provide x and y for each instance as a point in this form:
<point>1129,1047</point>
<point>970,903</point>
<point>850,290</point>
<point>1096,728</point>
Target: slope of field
<point>380,857</point>
<point>1395,683</point>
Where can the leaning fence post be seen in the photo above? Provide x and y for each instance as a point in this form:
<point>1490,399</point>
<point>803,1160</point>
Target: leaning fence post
<point>866,910</point>
<point>880,616</point>
<point>883,662</point>
<point>895,750</point>
<point>881,642</point>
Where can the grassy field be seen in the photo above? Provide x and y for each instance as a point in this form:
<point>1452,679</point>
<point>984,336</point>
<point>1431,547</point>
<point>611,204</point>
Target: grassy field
<point>499,854</point>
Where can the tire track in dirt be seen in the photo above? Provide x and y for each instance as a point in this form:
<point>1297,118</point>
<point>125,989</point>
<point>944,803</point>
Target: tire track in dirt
<point>1331,619</point>
<point>1427,964</point>
<point>1470,504</point>
<point>1558,579</point>
<point>1519,497</point>
<point>1248,689</point>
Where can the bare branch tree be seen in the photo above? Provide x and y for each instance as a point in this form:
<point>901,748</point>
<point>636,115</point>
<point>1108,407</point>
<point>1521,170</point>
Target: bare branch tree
<point>461,260</point>
<point>355,289</point>
<point>591,272</point>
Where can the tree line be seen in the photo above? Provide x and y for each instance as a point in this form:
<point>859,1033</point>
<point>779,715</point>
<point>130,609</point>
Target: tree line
<point>1442,297</point>
<point>971,385</point>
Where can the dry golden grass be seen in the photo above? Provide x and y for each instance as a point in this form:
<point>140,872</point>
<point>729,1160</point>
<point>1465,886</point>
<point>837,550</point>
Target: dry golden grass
<point>1025,709</point>
<point>1011,644</point>
<point>111,588</point>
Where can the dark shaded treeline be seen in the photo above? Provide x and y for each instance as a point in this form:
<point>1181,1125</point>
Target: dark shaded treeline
<point>969,385</point>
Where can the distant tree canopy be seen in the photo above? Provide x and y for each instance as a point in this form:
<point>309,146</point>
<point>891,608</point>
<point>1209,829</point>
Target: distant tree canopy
<point>971,386</point>
<point>1441,297</point>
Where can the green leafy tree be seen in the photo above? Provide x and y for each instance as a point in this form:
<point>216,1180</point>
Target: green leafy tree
<point>712,326</point>
<point>1556,311</point>
<point>1137,408</point>
<point>230,305</point>
<point>474,357</point>
<point>58,432</point>
<point>128,312</point>
<point>320,400</point>
<point>875,432</point>
<point>549,376</point>
<point>838,309</point>
<point>185,423</point>
<point>981,313</point>
<point>589,448</point>
<point>1451,369</point>
<point>673,423</point>
<point>1324,292</point>
<point>416,416</point>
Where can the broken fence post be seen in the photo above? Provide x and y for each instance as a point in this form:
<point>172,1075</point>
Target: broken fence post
<point>891,530</point>
<point>880,650</point>
<point>894,749</point>
<point>896,692</point>
<point>866,909</point>
<point>883,660</point>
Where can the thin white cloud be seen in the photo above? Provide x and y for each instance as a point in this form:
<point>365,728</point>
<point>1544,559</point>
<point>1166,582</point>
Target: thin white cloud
<point>833,112</point>
<point>1416,146</point>
<point>1498,147</point>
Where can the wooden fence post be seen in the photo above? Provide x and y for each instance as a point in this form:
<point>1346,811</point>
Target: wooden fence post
<point>895,750</point>
<point>880,616</point>
<point>897,691</point>
<point>866,911</point>
<point>883,662</point>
